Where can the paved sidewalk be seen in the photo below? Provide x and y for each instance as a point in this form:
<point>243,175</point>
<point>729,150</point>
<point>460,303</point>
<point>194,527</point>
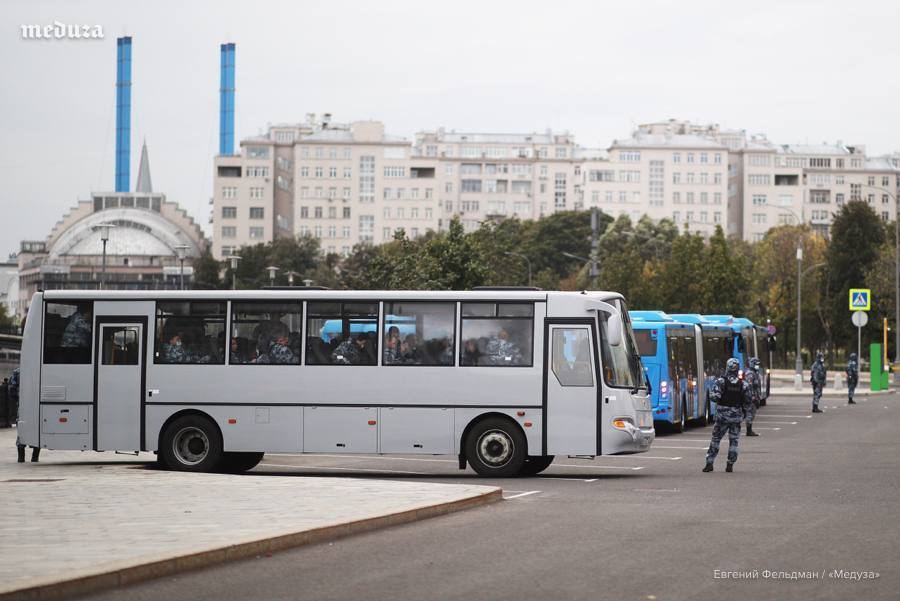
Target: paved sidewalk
<point>95,518</point>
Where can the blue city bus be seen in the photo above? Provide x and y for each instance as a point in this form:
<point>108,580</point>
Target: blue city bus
<point>672,355</point>
<point>718,346</point>
<point>744,337</point>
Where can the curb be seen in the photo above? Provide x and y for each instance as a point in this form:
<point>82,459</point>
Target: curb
<point>117,577</point>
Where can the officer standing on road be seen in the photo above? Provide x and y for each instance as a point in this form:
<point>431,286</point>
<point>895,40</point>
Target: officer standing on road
<point>754,381</point>
<point>852,378</point>
<point>732,397</point>
<point>817,377</point>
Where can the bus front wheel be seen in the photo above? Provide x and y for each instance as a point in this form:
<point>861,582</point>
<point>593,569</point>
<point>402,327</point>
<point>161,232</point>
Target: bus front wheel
<point>496,447</point>
<point>192,443</point>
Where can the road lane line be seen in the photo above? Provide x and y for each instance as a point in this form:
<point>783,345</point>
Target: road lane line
<point>597,467</point>
<point>656,446</point>
<point>759,428</point>
<point>783,423</point>
<point>643,457</point>
<point>758,415</point>
<point>346,469</point>
<point>522,494</point>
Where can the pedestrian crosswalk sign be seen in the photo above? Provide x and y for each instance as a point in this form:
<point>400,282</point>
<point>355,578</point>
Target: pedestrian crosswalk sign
<point>860,299</point>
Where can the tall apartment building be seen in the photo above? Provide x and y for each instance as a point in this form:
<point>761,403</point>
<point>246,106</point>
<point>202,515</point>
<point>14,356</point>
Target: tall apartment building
<point>667,170</point>
<point>351,183</point>
<point>357,184</point>
<point>810,182</point>
<point>484,176</point>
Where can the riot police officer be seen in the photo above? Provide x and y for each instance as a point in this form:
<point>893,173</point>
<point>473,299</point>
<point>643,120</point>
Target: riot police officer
<point>852,378</point>
<point>732,397</point>
<point>817,378</point>
<point>753,379</point>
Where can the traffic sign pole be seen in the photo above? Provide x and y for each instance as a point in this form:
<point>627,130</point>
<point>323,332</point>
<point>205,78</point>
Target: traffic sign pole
<point>859,319</point>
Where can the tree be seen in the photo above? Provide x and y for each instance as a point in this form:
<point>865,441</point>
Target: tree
<point>725,280</point>
<point>681,288</point>
<point>857,234</point>
<point>451,261</point>
<point>207,272</point>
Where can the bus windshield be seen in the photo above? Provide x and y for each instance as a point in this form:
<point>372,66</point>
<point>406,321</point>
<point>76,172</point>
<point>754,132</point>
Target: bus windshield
<point>622,364</point>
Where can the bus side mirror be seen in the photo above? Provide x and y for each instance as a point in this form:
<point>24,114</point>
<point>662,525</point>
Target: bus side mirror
<point>614,329</point>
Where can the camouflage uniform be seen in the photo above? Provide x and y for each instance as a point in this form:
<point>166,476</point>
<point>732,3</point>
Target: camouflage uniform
<point>817,378</point>
<point>77,333</point>
<point>730,389</point>
<point>175,353</point>
<point>752,378</point>
<point>347,353</point>
<point>502,352</point>
<point>852,377</point>
<point>279,354</point>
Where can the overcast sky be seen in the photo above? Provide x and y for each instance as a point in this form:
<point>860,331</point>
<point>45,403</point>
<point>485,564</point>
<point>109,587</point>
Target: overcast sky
<point>796,70</point>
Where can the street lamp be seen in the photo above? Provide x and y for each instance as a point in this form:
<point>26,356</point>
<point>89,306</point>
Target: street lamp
<point>291,275</point>
<point>593,263</point>
<point>234,259</point>
<point>523,257</point>
<point>896,282</point>
<point>104,229</point>
<point>272,271</point>
<point>181,251</point>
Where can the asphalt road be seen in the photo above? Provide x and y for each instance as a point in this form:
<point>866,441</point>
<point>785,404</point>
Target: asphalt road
<point>812,494</point>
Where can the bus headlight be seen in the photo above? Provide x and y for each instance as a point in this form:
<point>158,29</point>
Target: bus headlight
<point>626,424</point>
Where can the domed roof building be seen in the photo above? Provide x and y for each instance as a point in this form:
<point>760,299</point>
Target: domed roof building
<point>148,237</point>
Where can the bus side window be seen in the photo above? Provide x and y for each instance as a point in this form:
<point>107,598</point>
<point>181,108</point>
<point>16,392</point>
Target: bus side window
<point>341,333</point>
<point>68,332</point>
<point>190,332</point>
<point>497,334</point>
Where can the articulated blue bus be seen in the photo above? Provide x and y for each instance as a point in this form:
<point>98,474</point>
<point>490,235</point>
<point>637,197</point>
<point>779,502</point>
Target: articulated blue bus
<point>672,354</point>
<point>746,344</point>
<point>718,344</point>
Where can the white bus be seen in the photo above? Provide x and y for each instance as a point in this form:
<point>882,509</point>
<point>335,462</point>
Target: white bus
<point>212,380</point>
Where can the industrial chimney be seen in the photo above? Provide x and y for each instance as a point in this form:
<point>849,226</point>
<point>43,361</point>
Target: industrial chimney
<point>123,114</point>
<point>226,100</point>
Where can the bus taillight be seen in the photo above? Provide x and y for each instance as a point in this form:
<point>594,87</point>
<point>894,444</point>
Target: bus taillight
<point>663,389</point>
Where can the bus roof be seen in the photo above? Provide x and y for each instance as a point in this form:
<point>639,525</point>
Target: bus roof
<point>660,316</point>
<point>730,320</point>
<point>301,293</point>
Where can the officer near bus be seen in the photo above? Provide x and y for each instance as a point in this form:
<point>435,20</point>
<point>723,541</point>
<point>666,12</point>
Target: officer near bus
<point>753,378</point>
<point>817,378</point>
<point>852,378</point>
<point>733,399</point>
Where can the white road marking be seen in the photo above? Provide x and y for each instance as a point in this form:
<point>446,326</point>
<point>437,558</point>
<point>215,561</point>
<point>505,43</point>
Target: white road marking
<point>758,428</point>
<point>522,494</point>
<point>784,423</point>
<point>542,477</point>
<point>597,467</point>
<point>347,469</point>
<point>656,446</point>
<point>643,457</point>
<point>758,415</point>
<point>655,489</point>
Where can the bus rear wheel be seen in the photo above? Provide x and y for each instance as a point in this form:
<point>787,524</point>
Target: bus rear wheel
<point>535,464</point>
<point>239,462</point>
<point>192,443</point>
<point>496,447</point>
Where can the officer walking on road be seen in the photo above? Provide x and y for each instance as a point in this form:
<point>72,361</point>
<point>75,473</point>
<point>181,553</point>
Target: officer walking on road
<point>753,379</point>
<point>852,377</point>
<point>732,397</point>
<point>817,377</point>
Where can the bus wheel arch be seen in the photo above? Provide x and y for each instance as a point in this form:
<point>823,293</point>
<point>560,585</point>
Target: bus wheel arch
<point>190,440</point>
<point>494,445</point>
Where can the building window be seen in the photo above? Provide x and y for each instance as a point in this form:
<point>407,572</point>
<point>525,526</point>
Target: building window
<point>718,158</point>
<point>256,232</point>
<point>319,171</point>
<point>317,211</point>
<point>257,212</point>
<point>676,157</point>
<point>332,172</point>
<point>633,177</point>
<point>304,212</point>
<point>229,192</point>
<point>559,191</point>
<point>630,156</point>
<point>367,179</point>
<point>690,157</point>
<point>394,171</point>
<point>346,213</point>
<point>755,179</point>
<point>704,157</point>
<point>759,199</point>
<point>257,172</point>
<point>256,192</point>
<point>229,212</point>
<point>229,231</point>
<point>332,212</point>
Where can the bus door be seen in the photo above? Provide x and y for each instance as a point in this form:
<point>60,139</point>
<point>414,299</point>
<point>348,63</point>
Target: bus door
<point>571,389</point>
<point>120,379</point>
